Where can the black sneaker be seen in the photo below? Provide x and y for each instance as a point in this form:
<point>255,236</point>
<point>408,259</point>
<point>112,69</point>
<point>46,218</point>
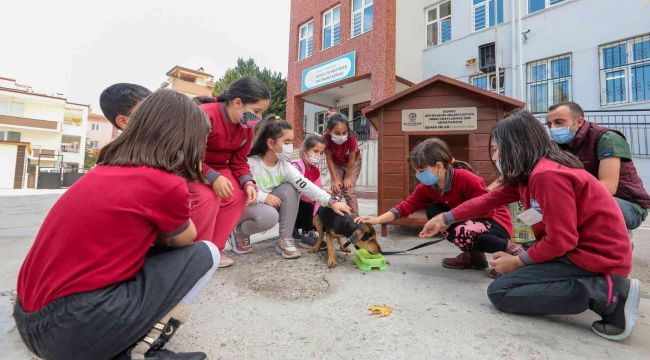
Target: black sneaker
<point>308,241</point>
<point>619,324</point>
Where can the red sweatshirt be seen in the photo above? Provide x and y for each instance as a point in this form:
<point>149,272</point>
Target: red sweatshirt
<point>461,186</point>
<point>580,218</point>
<point>228,145</point>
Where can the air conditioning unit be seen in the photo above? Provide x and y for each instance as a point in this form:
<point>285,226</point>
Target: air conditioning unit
<point>487,57</point>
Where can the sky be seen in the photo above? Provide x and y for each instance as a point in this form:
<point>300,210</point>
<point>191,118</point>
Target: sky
<point>78,48</point>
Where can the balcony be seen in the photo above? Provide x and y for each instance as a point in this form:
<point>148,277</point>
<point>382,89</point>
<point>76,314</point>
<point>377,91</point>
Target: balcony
<point>190,87</point>
<point>29,123</point>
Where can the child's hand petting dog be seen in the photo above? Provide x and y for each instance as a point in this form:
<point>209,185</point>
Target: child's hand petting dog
<point>372,220</point>
<point>340,208</point>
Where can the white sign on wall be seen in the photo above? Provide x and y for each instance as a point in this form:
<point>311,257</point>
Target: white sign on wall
<point>328,72</point>
<point>441,119</point>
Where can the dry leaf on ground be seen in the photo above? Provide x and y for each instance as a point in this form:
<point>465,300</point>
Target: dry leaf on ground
<point>380,310</point>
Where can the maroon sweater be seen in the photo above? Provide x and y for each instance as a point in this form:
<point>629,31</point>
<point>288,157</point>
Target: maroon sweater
<point>228,145</point>
<point>462,186</point>
<point>580,219</point>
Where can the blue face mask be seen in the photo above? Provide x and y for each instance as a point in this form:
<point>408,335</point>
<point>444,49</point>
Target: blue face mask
<point>562,135</point>
<point>427,178</point>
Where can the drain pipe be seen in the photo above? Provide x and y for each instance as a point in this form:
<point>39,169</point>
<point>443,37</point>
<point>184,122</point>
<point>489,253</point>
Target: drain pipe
<point>521,54</point>
<point>513,50</point>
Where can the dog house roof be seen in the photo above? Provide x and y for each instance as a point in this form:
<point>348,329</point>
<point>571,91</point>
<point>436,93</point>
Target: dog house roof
<point>508,101</point>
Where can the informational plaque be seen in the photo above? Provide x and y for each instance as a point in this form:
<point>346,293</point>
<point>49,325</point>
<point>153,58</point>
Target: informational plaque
<point>441,119</point>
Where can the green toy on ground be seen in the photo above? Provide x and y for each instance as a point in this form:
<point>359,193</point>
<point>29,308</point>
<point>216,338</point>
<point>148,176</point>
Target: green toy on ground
<point>366,261</point>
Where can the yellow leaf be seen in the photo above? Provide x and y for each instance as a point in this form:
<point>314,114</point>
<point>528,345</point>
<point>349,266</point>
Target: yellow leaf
<point>380,310</point>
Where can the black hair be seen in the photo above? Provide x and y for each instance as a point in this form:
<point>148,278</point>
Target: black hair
<point>120,99</point>
<point>271,129</point>
<point>249,89</point>
<point>337,118</point>
<point>576,110</point>
<point>312,140</point>
<point>431,151</point>
<point>199,100</point>
<point>522,141</point>
<point>167,131</point>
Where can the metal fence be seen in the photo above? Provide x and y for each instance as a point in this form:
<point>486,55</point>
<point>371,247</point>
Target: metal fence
<point>634,124</point>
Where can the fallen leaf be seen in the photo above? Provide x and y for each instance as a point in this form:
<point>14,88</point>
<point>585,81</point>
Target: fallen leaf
<point>380,310</point>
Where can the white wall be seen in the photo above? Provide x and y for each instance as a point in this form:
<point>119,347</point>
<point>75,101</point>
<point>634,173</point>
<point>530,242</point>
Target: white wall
<point>310,113</point>
<point>409,40</point>
<point>50,140</point>
<point>7,165</point>
<point>575,26</point>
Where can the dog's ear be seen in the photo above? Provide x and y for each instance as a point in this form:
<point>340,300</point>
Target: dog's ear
<point>356,236</point>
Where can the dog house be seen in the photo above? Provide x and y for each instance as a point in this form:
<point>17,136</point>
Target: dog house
<point>459,113</point>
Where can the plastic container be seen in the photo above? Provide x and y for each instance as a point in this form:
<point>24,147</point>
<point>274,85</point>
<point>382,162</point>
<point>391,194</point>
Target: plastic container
<point>366,261</point>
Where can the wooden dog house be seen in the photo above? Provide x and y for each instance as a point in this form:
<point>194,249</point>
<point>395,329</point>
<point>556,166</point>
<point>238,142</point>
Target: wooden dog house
<point>459,113</point>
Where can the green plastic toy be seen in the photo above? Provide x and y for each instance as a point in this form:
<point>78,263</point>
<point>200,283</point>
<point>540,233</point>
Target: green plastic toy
<point>366,261</point>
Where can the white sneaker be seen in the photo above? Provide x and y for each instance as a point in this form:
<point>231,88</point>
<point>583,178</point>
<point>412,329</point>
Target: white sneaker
<point>287,248</point>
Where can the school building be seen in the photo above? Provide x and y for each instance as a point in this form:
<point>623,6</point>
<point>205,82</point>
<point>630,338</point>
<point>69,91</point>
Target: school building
<point>346,54</point>
<point>42,138</point>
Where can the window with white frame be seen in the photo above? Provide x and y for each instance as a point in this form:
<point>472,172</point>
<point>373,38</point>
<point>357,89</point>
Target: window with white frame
<point>625,71</point>
<point>537,5</point>
<point>361,16</point>
<point>438,22</point>
<point>549,82</point>
<point>12,108</point>
<point>488,81</point>
<point>306,40</point>
<point>320,123</point>
<point>331,27</point>
<point>9,136</point>
<point>94,144</point>
<point>483,13</point>
<point>94,126</point>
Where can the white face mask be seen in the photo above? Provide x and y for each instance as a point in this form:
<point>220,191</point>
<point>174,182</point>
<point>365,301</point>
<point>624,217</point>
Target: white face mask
<point>287,152</point>
<point>339,139</point>
<point>313,159</point>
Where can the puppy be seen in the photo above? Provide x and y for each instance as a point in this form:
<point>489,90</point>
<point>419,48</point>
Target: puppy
<point>330,225</point>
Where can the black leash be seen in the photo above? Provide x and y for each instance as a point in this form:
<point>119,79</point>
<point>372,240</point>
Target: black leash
<point>413,248</point>
<point>345,246</point>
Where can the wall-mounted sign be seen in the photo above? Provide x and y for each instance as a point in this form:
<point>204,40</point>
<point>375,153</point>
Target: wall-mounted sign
<point>328,72</point>
<point>442,119</point>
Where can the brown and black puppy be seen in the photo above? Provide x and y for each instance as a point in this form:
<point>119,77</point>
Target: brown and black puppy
<point>330,225</point>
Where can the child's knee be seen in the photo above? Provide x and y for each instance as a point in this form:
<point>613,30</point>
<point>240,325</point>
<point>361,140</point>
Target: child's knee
<point>496,293</point>
<point>286,192</point>
<point>215,254</point>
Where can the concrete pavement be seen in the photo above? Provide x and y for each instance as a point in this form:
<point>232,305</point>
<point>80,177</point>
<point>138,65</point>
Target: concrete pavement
<point>265,307</point>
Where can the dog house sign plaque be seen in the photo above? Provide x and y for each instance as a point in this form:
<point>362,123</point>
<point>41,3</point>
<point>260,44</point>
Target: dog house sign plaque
<point>440,119</point>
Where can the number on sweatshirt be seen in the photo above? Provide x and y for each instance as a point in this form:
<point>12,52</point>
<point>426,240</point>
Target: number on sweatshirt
<point>301,183</point>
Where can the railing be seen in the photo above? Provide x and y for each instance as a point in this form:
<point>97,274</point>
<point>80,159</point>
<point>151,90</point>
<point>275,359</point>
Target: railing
<point>634,124</point>
<point>362,128</point>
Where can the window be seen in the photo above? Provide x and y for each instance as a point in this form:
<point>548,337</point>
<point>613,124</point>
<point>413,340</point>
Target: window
<point>361,16</point>
<point>625,71</point>
<point>483,12</point>
<point>94,126</point>
<point>12,108</point>
<point>320,124</point>
<point>438,20</point>
<point>10,136</point>
<point>489,81</point>
<point>331,27</point>
<point>70,143</point>
<point>537,5</point>
<point>94,144</point>
<point>549,82</point>
<point>306,40</point>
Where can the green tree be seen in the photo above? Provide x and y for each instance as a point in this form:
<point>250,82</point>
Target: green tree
<point>273,79</point>
<point>90,157</point>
